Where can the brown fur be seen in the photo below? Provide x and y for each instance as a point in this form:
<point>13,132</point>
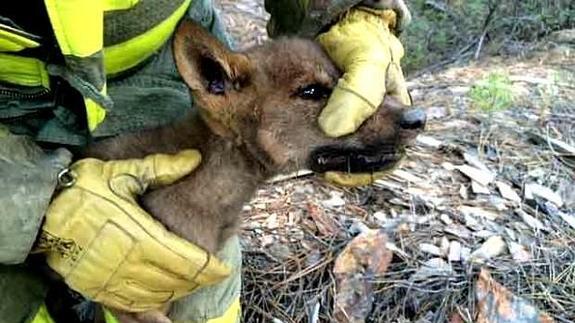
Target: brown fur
<point>256,127</point>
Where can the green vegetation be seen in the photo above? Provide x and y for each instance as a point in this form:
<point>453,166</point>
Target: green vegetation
<point>493,93</point>
<point>451,30</point>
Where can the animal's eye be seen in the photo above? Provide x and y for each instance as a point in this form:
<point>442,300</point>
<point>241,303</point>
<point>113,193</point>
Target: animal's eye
<point>313,92</point>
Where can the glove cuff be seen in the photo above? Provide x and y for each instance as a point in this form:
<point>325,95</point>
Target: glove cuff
<point>386,17</point>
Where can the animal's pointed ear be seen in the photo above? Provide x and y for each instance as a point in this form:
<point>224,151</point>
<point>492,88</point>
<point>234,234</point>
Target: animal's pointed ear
<point>207,66</point>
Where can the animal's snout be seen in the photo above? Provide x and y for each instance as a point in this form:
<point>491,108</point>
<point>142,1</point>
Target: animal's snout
<point>413,119</point>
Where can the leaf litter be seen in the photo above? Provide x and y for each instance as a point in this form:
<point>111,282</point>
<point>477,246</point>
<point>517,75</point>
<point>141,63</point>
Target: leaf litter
<point>478,224</point>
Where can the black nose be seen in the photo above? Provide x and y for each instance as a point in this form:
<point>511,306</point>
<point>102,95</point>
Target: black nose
<point>414,119</point>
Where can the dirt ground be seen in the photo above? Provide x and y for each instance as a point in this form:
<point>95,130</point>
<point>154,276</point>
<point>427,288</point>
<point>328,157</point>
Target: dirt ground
<point>489,191</point>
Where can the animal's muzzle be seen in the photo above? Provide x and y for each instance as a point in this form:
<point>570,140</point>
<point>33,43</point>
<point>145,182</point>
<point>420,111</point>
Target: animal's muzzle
<point>348,160</point>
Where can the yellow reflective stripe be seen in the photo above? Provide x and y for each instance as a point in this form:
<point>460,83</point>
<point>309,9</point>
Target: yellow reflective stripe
<point>23,71</point>
<point>123,56</point>
<point>94,112</point>
<point>110,5</point>
<point>78,25</point>
<point>42,316</point>
<point>231,315</point>
<point>109,317</point>
<point>12,42</point>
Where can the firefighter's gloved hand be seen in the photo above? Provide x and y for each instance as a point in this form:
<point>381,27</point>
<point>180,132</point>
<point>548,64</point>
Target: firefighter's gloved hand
<point>363,46</point>
<point>109,249</point>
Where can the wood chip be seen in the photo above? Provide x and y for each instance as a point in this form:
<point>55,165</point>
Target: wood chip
<point>433,267</point>
<point>569,218</point>
<point>334,201</point>
<point>285,177</point>
<point>480,176</point>
<point>444,246</point>
<point>445,219</point>
<point>478,212</point>
<point>428,141</point>
<point>380,216</point>
<point>507,192</point>
<point>519,252</point>
<point>535,190</point>
<point>406,176</point>
<point>530,220</point>
<point>449,166</point>
<point>474,161</point>
<point>454,251</point>
<point>479,189</point>
<point>465,253</point>
<point>430,249</point>
<point>491,248</point>
<point>463,192</point>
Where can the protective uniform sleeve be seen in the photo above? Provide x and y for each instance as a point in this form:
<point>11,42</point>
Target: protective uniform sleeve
<point>304,17</point>
<point>28,177</point>
<point>310,17</point>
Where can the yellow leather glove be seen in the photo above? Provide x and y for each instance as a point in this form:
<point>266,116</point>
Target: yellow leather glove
<point>362,45</point>
<point>110,250</point>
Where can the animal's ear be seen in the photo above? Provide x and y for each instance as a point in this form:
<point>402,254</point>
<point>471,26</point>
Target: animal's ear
<point>207,66</point>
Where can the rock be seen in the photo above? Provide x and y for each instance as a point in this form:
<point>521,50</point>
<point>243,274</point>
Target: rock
<point>507,192</point>
<point>493,247</point>
<point>482,177</point>
<point>535,190</point>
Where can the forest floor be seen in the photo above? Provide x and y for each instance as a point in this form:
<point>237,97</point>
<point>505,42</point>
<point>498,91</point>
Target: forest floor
<point>477,223</point>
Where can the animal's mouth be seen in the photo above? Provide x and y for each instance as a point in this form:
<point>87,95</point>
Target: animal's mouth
<point>350,160</point>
